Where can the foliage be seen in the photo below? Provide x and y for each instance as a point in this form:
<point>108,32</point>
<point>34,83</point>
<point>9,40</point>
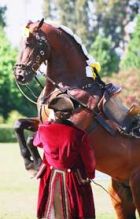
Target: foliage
<point>10,97</point>
<point>132,56</point>
<point>7,60</point>
<point>2,16</point>
<point>88,18</point>
<point>113,16</point>
<point>7,133</point>
<point>102,51</point>
<point>129,81</point>
<point>1,120</point>
<point>82,20</point>
<point>13,116</point>
<point>62,10</point>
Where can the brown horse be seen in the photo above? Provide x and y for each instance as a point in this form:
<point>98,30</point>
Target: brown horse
<point>118,155</point>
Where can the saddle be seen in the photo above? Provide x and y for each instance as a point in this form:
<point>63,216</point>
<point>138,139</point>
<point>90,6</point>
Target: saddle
<point>127,120</point>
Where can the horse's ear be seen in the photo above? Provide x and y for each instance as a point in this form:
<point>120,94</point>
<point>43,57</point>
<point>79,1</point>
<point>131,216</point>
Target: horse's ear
<point>29,22</point>
<point>40,23</point>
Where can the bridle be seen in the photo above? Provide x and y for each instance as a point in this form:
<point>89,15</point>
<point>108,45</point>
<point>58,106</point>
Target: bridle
<point>40,50</point>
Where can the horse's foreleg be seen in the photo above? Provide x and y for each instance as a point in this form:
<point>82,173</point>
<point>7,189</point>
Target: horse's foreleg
<point>135,188</point>
<point>34,152</point>
<point>25,153</point>
<point>122,200</point>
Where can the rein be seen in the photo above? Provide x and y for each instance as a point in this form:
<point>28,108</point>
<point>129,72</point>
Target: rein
<point>102,187</point>
<point>31,91</point>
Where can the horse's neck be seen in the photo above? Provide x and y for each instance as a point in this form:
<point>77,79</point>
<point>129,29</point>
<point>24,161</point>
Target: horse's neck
<point>67,61</point>
<point>68,72</point>
<point>65,65</point>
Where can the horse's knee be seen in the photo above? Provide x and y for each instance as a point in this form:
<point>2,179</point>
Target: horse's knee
<point>18,125</point>
<point>30,141</point>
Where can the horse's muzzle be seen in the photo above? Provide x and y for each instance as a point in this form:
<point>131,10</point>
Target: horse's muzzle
<point>23,74</point>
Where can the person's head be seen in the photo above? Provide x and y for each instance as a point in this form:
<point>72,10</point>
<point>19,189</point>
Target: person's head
<point>62,105</point>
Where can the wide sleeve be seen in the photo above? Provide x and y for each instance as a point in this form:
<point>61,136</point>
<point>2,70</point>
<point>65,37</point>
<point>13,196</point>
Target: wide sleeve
<point>88,157</point>
<point>37,140</point>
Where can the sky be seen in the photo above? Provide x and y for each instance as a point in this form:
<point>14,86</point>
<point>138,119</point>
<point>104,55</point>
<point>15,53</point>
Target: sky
<point>17,15</point>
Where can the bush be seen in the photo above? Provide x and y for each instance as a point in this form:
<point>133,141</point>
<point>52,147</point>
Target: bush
<point>7,133</point>
<point>1,119</point>
<point>102,50</point>
<point>130,82</point>
<point>13,116</point>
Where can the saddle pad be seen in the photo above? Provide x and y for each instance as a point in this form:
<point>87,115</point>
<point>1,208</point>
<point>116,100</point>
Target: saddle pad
<point>115,110</point>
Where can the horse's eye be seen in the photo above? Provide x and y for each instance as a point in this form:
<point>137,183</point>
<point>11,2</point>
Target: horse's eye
<point>27,43</point>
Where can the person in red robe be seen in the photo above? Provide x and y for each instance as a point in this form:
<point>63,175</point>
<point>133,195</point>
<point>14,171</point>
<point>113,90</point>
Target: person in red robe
<point>67,167</point>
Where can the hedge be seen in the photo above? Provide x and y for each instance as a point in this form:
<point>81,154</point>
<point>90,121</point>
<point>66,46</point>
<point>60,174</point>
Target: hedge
<point>7,133</point>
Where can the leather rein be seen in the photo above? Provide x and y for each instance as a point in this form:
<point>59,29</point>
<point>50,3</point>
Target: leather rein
<point>31,91</point>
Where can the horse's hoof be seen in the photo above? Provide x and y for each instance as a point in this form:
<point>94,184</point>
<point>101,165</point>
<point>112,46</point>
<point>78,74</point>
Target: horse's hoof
<point>29,166</point>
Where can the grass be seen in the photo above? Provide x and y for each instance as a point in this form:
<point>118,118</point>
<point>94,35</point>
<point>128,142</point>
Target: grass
<point>18,192</point>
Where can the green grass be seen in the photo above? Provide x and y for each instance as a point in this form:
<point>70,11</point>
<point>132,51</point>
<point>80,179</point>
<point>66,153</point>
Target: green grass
<point>18,192</point>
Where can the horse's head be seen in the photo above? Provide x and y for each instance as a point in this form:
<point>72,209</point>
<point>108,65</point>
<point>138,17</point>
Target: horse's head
<point>35,50</point>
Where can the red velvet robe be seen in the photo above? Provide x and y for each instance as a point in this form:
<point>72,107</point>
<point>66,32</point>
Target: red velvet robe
<point>67,158</point>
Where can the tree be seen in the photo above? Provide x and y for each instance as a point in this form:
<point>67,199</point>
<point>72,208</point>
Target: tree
<point>73,14</point>
<point>10,97</point>
<point>111,17</point>
<point>101,49</point>
<point>82,20</point>
<point>48,9</point>
<point>131,57</point>
<point>7,57</point>
<point>2,16</point>
<point>89,18</point>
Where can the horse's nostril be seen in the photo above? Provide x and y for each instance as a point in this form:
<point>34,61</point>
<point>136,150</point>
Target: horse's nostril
<point>20,78</point>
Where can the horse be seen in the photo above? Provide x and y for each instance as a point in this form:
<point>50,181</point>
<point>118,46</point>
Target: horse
<point>69,65</point>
